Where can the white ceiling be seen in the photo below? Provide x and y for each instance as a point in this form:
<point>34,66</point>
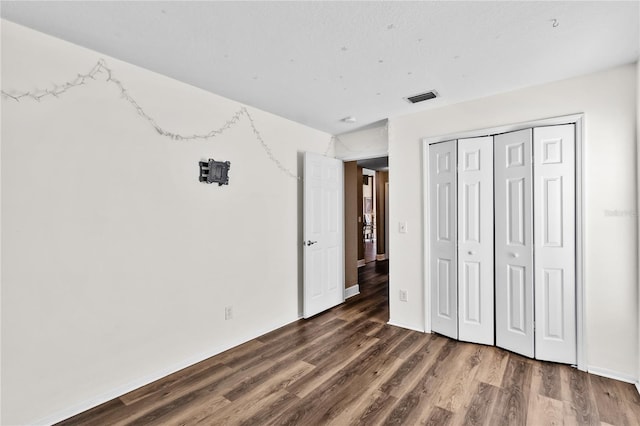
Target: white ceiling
<point>318,62</point>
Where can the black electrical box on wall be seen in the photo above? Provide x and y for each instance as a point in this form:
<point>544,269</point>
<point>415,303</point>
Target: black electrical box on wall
<point>215,172</point>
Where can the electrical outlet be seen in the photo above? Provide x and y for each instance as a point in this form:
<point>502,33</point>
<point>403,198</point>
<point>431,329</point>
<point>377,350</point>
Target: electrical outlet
<point>228,312</point>
<point>404,296</point>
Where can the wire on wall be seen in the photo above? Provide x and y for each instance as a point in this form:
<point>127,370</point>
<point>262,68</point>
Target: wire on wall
<point>102,68</point>
<point>382,131</point>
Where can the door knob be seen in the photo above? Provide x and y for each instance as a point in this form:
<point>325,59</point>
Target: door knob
<point>471,252</point>
<point>310,243</point>
<point>514,255</point>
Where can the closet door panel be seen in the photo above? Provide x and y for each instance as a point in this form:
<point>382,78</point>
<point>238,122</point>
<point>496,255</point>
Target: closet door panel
<point>554,218</point>
<point>513,242</point>
<point>475,240</point>
<point>443,239</point>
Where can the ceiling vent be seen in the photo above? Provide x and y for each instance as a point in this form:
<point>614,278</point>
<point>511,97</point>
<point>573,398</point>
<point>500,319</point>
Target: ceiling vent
<point>422,97</point>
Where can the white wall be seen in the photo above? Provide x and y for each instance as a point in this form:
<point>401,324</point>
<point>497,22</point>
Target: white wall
<point>371,142</point>
<point>608,100</point>
<point>116,262</point>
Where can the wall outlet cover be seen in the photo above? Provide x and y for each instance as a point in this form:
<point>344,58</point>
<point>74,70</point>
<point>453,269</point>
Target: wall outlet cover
<point>402,227</point>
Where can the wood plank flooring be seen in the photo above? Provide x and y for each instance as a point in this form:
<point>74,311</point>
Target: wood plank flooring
<point>347,366</point>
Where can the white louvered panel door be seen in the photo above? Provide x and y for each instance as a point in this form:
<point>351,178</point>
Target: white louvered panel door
<point>554,236</point>
<point>442,229</point>
<point>513,242</point>
<point>475,240</point>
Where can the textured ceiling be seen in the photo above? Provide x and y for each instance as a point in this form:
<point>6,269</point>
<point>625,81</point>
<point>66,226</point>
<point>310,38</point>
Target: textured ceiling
<point>318,62</point>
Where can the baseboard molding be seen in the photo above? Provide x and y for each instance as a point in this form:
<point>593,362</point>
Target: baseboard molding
<point>409,327</point>
<point>361,262</point>
<point>638,387</point>
<point>352,291</point>
<point>138,383</point>
<point>382,256</point>
<point>611,374</point>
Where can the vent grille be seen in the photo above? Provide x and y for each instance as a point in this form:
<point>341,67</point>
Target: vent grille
<point>422,97</point>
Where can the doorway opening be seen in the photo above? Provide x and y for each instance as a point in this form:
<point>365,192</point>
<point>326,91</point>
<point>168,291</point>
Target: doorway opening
<point>369,213</point>
<point>366,227</point>
<point>373,209</point>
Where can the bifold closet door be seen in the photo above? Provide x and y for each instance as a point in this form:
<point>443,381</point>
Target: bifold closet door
<point>554,236</point>
<point>513,242</point>
<point>442,231</point>
<point>475,240</point>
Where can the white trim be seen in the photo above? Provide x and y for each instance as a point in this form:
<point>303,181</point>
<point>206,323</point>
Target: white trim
<point>361,263</point>
<point>382,256</point>
<point>638,387</point>
<point>354,290</point>
<point>578,120</point>
<point>491,131</point>
<point>581,335</point>
<point>616,375</point>
<point>408,327</point>
<point>150,378</point>
<point>426,312</point>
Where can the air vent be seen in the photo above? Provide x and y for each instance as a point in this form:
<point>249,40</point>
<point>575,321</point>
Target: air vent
<point>422,97</point>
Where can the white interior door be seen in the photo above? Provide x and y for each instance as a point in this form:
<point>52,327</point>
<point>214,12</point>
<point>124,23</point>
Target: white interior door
<point>323,224</point>
<point>513,242</point>
<point>554,236</point>
<point>475,240</point>
<point>443,239</point>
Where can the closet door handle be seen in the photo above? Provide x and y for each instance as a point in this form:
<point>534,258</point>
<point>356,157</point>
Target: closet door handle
<point>514,255</point>
<point>471,252</point>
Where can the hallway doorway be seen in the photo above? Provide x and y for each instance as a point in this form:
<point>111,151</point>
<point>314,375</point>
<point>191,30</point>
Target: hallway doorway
<point>366,223</point>
<point>370,205</point>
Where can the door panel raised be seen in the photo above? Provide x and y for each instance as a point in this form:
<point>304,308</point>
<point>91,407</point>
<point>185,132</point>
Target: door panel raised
<point>554,216</point>
<point>472,311</point>
<point>442,228</point>
<point>513,242</point>
<point>475,240</point>
<point>516,221</point>
<point>516,296</point>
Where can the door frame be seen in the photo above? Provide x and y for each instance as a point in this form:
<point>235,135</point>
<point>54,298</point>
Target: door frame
<point>578,120</point>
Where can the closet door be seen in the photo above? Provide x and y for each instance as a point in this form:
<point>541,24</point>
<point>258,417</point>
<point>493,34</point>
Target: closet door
<point>475,240</point>
<point>442,231</point>
<point>554,219</point>
<point>513,242</point>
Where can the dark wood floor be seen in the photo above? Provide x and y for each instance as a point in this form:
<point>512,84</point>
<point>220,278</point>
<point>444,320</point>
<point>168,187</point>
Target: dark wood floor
<point>369,251</point>
<point>347,366</point>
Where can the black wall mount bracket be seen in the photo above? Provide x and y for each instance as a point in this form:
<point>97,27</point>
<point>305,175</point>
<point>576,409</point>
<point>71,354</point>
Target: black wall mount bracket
<point>213,171</point>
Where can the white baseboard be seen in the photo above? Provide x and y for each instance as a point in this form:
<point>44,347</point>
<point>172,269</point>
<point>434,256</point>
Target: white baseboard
<point>409,327</point>
<point>352,291</point>
<point>611,374</point>
<point>382,256</point>
<point>361,262</point>
<point>638,386</point>
<point>138,383</point>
